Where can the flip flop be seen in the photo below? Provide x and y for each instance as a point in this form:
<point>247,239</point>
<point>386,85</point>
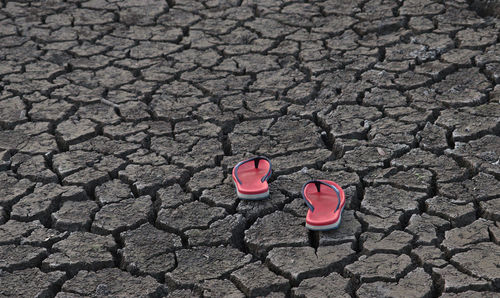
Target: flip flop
<point>250,178</point>
<point>326,201</point>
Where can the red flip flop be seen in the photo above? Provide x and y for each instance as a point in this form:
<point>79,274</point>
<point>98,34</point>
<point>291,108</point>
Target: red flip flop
<point>250,178</point>
<point>325,204</point>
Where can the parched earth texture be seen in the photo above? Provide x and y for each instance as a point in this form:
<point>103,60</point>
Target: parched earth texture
<point>121,121</point>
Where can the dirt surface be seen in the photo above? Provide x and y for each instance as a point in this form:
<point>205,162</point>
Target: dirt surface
<point>121,121</point>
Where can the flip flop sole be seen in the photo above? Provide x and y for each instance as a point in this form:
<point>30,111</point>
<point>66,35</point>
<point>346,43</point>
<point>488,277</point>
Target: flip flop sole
<point>332,226</point>
<point>253,197</point>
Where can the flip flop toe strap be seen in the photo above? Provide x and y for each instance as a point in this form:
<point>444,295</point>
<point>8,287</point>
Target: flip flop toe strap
<point>318,184</point>
<point>256,160</point>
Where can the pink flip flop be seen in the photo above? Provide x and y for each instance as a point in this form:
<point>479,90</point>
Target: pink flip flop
<point>250,178</point>
<point>326,201</point>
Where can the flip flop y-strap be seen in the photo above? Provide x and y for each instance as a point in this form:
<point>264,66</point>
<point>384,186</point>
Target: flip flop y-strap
<point>318,187</point>
<point>256,160</point>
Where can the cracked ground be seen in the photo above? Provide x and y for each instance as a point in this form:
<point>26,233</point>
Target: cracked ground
<point>121,121</point>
